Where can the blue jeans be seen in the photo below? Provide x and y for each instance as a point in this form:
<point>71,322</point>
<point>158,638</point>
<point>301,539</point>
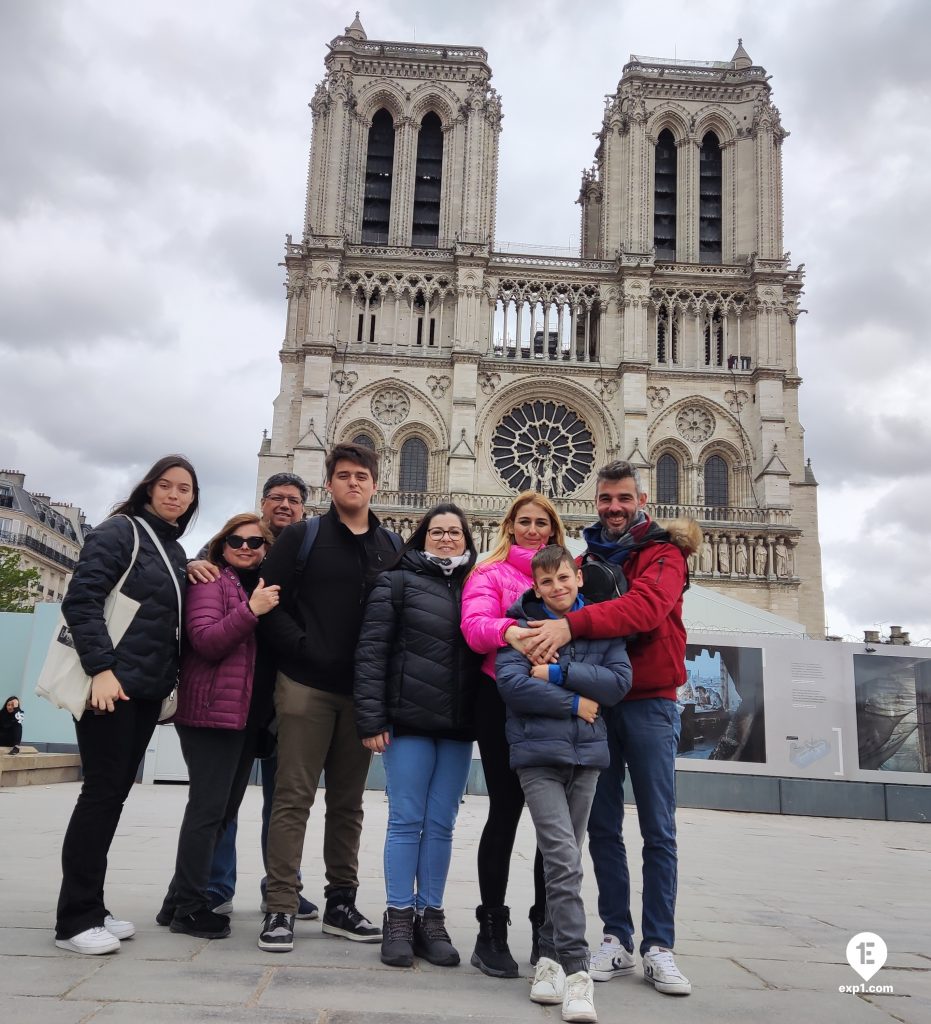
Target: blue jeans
<point>223,872</point>
<point>643,736</point>
<point>426,780</point>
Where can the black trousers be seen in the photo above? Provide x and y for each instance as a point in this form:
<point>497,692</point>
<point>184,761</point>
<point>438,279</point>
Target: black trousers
<point>111,745</point>
<point>219,763</point>
<point>505,802</point>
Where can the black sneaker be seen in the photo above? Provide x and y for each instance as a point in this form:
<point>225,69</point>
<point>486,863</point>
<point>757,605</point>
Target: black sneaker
<point>342,917</point>
<point>306,911</point>
<point>13,750</point>
<point>277,934</point>
<point>431,939</point>
<point>204,924</point>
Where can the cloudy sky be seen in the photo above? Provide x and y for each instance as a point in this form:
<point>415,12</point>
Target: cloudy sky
<point>154,156</point>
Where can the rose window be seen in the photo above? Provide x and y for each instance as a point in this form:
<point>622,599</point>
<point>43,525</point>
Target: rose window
<point>695,423</point>
<point>543,446</point>
<point>390,406</point>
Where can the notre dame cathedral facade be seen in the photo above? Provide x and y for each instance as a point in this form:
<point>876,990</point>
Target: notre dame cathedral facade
<point>669,340</point>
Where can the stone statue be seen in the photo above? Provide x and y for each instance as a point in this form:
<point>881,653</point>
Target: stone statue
<point>759,558</point>
<point>724,557</point>
<point>706,556</point>
<point>740,557</point>
<point>782,557</point>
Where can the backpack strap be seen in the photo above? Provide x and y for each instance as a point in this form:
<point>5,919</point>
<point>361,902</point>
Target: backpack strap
<point>311,529</point>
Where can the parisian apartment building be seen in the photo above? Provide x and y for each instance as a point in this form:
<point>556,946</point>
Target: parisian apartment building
<point>47,535</point>
<point>667,339</point>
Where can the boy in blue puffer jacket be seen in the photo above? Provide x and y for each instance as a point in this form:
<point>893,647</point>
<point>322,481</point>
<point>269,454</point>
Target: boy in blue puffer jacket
<point>559,745</point>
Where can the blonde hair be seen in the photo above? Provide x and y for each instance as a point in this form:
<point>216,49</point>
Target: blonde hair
<point>506,530</point>
<point>216,542</point>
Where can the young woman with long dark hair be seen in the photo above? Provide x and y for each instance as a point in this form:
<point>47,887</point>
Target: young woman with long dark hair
<point>128,682</point>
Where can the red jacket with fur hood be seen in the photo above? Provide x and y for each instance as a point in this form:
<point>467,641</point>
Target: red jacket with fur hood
<point>652,609</point>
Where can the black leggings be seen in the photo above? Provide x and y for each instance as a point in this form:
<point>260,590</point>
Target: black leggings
<point>505,803</point>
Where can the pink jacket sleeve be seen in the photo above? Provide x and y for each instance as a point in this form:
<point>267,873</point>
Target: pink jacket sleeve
<point>215,620</point>
<point>483,620</point>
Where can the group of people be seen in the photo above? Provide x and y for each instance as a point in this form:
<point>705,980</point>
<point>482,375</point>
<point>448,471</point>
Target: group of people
<point>314,643</point>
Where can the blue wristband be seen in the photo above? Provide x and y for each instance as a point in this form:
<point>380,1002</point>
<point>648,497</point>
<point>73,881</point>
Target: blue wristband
<point>555,673</point>
<point>575,704</point>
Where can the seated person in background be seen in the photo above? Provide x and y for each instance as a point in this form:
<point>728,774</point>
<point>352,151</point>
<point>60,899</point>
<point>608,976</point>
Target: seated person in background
<point>558,746</point>
<point>11,724</point>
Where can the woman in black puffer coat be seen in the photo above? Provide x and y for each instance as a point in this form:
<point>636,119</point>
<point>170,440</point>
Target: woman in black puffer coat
<point>415,685</point>
<point>128,682</point>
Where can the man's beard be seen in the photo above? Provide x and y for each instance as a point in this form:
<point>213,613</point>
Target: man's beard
<point>612,534</point>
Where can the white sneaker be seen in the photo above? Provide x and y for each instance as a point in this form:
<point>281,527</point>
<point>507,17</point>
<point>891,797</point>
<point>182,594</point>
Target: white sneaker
<point>121,929</point>
<point>660,968</point>
<point>549,982</point>
<point>93,942</point>
<point>611,961</point>
<point>579,1001</point>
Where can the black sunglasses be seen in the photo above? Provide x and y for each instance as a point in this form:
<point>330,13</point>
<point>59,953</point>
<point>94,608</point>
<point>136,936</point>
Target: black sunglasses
<point>236,542</point>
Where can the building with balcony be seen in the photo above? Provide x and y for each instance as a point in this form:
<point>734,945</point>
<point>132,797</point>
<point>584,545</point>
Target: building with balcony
<point>47,535</point>
<point>669,339</point>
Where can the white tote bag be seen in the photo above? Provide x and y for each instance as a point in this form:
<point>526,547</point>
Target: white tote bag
<point>62,680</point>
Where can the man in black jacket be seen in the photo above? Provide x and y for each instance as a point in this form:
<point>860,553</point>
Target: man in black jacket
<point>313,634</point>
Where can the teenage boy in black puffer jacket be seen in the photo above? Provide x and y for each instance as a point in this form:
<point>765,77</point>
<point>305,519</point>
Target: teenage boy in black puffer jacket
<point>559,745</point>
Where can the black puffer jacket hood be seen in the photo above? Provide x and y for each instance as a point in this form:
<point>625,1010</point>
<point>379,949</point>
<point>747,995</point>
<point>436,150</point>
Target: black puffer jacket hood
<point>146,659</point>
<point>413,667</point>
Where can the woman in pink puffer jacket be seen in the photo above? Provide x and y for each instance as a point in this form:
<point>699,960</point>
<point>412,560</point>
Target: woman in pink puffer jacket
<point>218,716</point>
<point>491,589</point>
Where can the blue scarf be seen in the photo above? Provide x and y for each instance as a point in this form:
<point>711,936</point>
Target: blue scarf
<point>616,551</point>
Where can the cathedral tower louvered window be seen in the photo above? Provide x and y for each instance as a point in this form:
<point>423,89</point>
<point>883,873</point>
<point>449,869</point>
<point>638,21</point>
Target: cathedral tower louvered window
<point>709,200</point>
<point>427,180</point>
<point>664,197</point>
<point>379,168</point>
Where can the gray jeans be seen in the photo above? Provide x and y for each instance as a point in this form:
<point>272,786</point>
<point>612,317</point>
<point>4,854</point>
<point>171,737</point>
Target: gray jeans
<point>559,799</point>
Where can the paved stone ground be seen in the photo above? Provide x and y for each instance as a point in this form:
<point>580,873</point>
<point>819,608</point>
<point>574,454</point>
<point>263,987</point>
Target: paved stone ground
<point>767,905</point>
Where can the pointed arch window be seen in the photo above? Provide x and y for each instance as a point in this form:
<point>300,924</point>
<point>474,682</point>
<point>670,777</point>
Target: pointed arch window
<point>364,439</point>
<point>716,482</point>
<point>667,480</point>
<point>412,475</point>
<point>427,180</point>
<point>709,200</point>
<point>379,170</point>
<point>664,197</point>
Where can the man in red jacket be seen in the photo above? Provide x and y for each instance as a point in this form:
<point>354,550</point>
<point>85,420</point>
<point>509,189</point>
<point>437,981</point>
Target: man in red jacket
<point>643,730</point>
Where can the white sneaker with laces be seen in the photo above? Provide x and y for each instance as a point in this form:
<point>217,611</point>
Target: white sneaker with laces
<point>579,1001</point>
<point>549,982</point>
<point>121,929</point>
<point>611,961</point>
<point>659,966</point>
<point>92,942</point>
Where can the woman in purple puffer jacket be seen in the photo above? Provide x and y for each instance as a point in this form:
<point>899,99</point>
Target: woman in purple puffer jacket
<point>218,717</point>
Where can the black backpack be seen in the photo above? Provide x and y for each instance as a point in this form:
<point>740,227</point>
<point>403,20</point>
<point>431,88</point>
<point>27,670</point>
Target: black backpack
<point>601,580</point>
